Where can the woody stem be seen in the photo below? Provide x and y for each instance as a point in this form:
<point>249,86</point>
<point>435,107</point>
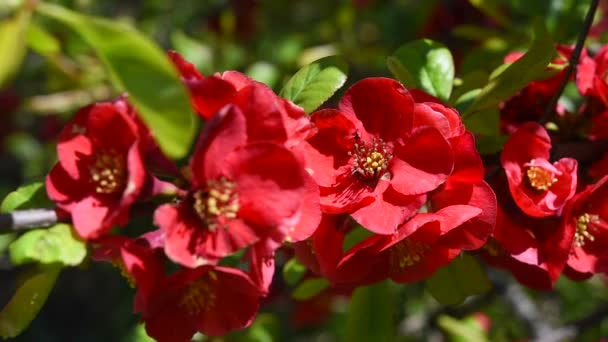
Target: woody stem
<point>571,68</point>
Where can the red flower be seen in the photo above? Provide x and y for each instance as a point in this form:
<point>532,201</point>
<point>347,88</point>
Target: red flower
<point>212,300</point>
<point>414,252</point>
<point>368,159</point>
<point>241,193</point>
<point>137,261</point>
<point>587,215</point>
<point>534,249</point>
<point>530,103</point>
<point>538,187</point>
<point>101,171</point>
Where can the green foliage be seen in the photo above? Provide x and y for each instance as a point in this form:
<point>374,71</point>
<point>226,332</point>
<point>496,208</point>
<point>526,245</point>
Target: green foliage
<point>517,75</point>
<point>453,283</point>
<point>26,197</point>
<point>58,244</point>
<point>12,44</point>
<point>41,41</point>
<point>370,314</point>
<point>309,288</point>
<point>141,68</point>
<point>25,304</point>
<point>466,330</point>
<point>312,85</point>
<point>426,65</point>
<point>293,271</point>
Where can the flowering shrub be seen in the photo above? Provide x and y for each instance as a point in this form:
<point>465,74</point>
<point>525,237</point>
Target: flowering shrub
<point>390,179</point>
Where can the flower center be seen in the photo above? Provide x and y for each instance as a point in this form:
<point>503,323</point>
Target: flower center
<point>539,177</point>
<point>583,229</point>
<point>199,296</point>
<point>370,161</point>
<point>407,253</point>
<point>108,172</point>
<point>216,203</point>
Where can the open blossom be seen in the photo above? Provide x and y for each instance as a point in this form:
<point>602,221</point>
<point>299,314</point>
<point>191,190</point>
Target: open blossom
<point>241,193</point>
<point>368,159</point>
<point>540,188</point>
<point>208,299</point>
<point>414,252</point>
<point>587,215</point>
<point>99,175</point>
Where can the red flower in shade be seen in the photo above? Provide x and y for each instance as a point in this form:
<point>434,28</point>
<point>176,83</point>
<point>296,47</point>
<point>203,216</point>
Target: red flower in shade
<point>212,300</point>
<point>368,159</point>
<point>101,169</point>
<point>587,215</point>
<point>538,187</point>
<point>241,193</point>
<point>413,253</point>
<point>534,249</point>
<point>529,103</point>
<point>137,261</point>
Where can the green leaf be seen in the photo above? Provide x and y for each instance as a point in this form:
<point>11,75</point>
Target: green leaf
<point>5,241</point>
<point>293,271</point>
<point>27,301</point>
<point>309,288</point>
<point>473,80</point>
<point>58,244</point>
<point>505,83</point>
<point>139,67</point>
<point>12,44</point>
<point>429,64</point>
<point>26,197</point>
<point>466,330</point>
<point>42,41</point>
<point>453,283</point>
<point>492,9</point>
<point>370,314</point>
<point>314,84</point>
<point>400,72</point>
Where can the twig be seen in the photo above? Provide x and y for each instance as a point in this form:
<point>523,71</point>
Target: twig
<point>27,219</point>
<point>571,69</point>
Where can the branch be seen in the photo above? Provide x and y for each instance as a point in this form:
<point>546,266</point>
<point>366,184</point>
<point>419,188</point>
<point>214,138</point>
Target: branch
<point>27,219</point>
<point>571,69</point>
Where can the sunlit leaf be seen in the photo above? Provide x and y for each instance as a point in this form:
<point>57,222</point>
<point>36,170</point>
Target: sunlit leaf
<point>314,84</point>
<point>465,330</point>
<point>41,40</point>
<point>453,283</point>
<point>429,64</point>
<point>26,197</point>
<point>58,244</point>
<point>12,44</point>
<point>141,68</point>
<point>25,304</point>
<point>370,314</point>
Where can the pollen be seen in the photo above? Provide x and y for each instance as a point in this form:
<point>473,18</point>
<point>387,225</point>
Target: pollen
<point>407,253</point>
<point>108,172</point>
<point>198,296</point>
<point>540,178</point>
<point>217,203</point>
<point>370,161</point>
<point>584,223</point>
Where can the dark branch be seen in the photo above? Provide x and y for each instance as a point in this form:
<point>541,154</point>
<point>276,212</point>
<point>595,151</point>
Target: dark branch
<point>571,69</point>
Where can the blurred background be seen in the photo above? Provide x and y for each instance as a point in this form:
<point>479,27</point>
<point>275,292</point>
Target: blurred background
<point>56,73</point>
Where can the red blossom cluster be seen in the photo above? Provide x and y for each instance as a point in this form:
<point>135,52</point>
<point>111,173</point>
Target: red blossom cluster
<point>397,163</point>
